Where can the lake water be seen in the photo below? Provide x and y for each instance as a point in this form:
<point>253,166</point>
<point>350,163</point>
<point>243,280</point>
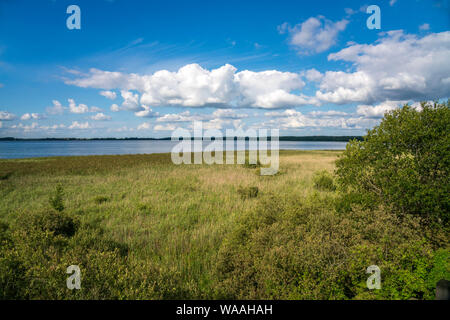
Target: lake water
<point>31,149</point>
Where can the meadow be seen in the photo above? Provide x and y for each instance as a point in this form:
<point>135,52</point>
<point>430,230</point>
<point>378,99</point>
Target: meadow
<point>141,227</point>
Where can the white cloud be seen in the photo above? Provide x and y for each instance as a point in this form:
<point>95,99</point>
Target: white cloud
<point>382,71</point>
<point>194,86</point>
<point>392,2</point>
<point>74,108</point>
<point>7,116</point>
<point>121,129</point>
<point>101,117</point>
<point>350,11</point>
<point>219,114</point>
<point>95,109</point>
<point>292,119</point>
<point>56,109</point>
<point>178,117</point>
<point>316,34</point>
<point>330,113</point>
<point>227,114</point>
<point>35,126</point>
<point>424,27</point>
<point>35,116</point>
<point>169,127</point>
<point>313,75</point>
<point>77,125</point>
<point>146,113</point>
<point>144,126</point>
<point>1,124</point>
<point>270,89</point>
<point>114,108</point>
<point>108,94</point>
<point>377,111</point>
<point>130,101</point>
<point>109,80</point>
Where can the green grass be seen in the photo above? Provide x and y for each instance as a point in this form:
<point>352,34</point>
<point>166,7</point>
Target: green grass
<point>176,219</point>
<point>176,216</point>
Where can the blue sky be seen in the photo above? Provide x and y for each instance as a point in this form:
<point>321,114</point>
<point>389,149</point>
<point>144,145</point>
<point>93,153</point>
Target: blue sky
<point>144,68</point>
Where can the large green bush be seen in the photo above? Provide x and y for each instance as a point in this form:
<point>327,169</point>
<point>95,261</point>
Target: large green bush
<point>300,248</point>
<point>37,248</point>
<point>404,162</point>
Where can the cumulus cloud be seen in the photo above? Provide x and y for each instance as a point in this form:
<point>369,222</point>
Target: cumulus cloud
<point>144,126</point>
<point>315,35</point>
<point>1,124</point>
<point>313,75</point>
<point>7,116</point>
<point>219,114</point>
<point>146,113</point>
<point>120,129</point>
<point>114,108</point>
<point>35,126</point>
<point>271,89</point>
<point>30,127</point>
<point>35,116</point>
<point>292,119</point>
<point>95,109</point>
<point>130,101</point>
<point>377,111</point>
<point>194,86</point>
<point>80,108</point>
<point>169,127</point>
<point>57,108</point>
<point>330,113</point>
<point>108,94</point>
<point>227,114</point>
<point>101,117</point>
<point>397,67</point>
<point>78,125</point>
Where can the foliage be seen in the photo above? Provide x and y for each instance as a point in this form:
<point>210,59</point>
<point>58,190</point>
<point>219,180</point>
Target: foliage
<point>404,161</point>
<point>36,252</point>
<point>323,180</point>
<point>181,232</point>
<point>100,199</point>
<point>248,192</point>
<point>56,201</point>
<point>301,249</point>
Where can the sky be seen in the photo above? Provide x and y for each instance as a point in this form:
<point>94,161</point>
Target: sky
<point>144,68</point>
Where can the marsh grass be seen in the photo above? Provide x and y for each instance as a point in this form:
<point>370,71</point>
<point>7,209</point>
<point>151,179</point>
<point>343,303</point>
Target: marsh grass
<point>173,220</point>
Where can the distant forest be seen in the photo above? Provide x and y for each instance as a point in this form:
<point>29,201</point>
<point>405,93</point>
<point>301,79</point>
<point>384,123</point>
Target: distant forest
<point>283,138</point>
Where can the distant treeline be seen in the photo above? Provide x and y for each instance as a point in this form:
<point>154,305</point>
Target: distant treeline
<point>283,138</point>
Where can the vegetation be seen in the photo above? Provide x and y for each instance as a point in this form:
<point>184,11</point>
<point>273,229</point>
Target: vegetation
<point>141,227</point>
<point>404,162</point>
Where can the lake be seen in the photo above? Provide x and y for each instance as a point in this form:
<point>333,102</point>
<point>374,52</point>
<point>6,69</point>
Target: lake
<point>31,149</point>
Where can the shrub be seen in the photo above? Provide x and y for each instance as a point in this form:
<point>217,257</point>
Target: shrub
<point>5,176</point>
<point>100,199</point>
<point>56,200</point>
<point>57,223</point>
<point>37,249</point>
<point>248,192</point>
<point>324,181</point>
<point>301,249</point>
<point>404,161</point>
